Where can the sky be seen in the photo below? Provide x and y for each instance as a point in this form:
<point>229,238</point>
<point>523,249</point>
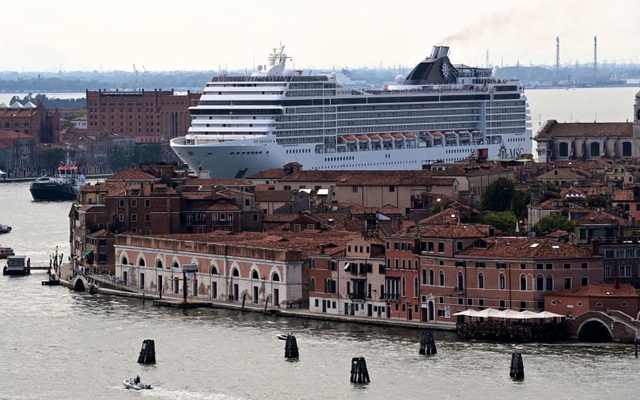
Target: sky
<point>206,35</point>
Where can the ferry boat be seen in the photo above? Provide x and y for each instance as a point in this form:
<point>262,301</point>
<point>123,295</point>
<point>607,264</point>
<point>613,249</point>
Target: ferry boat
<point>17,266</point>
<point>64,185</point>
<point>439,112</point>
<point>6,251</point>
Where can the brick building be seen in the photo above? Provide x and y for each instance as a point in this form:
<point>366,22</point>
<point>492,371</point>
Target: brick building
<point>149,116</point>
<point>31,119</point>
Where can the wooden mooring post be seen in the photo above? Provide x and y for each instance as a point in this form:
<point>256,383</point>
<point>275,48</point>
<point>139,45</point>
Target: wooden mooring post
<point>359,373</point>
<point>427,344</point>
<point>517,367</point>
<point>291,348</point>
<point>148,352</point>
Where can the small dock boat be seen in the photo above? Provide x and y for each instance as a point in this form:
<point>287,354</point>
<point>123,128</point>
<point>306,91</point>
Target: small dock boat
<point>17,266</point>
<point>135,384</point>
<point>4,228</point>
<point>6,251</point>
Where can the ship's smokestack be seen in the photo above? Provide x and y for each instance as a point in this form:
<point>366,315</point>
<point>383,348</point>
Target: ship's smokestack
<point>434,52</point>
<point>439,51</point>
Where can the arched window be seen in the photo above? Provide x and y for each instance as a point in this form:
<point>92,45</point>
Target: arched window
<point>523,282</point>
<point>254,275</point>
<point>404,286</point>
<point>159,264</point>
<point>214,270</point>
<point>312,284</point>
<point>176,265</point>
<point>424,276</point>
<point>141,262</point>
<point>549,283</point>
<point>275,277</point>
<point>599,304</point>
<point>501,282</point>
<point>235,272</point>
<point>125,261</point>
<point>540,283</point>
<point>480,281</point>
<point>416,286</point>
<point>460,281</point>
<point>441,278</point>
<point>432,277</point>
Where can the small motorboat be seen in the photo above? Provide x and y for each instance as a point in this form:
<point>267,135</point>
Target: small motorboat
<point>4,228</point>
<point>135,384</point>
<point>282,336</point>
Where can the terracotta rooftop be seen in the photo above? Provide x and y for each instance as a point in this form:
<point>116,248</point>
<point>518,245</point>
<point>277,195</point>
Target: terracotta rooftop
<point>601,290</point>
<point>274,196</point>
<point>459,231</point>
<point>554,129</point>
<point>132,174</point>
<point>622,195</point>
<point>216,182</point>
<point>274,173</point>
<point>306,241</point>
<point>600,218</point>
<point>524,248</point>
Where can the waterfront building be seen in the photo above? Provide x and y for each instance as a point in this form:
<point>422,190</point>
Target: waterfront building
<point>348,278</point>
<point>17,154</point>
<point>262,269</point>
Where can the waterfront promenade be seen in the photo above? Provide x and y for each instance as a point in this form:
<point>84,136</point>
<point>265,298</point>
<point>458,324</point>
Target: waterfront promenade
<point>105,285</point>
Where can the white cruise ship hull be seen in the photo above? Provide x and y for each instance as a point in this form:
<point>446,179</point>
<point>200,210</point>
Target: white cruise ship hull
<point>440,112</point>
<point>242,158</point>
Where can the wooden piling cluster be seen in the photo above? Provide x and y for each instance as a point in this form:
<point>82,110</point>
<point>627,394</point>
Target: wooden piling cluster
<point>147,352</point>
<point>359,373</point>
<point>517,367</point>
<point>291,348</point>
<point>427,344</point>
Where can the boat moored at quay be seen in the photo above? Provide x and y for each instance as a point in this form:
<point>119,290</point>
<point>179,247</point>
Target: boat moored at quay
<point>439,112</point>
<point>17,266</point>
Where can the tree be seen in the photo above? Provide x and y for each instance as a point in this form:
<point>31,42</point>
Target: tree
<point>149,153</point>
<point>504,221</point>
<point>121,158</point>
<point>552,223</point>
<point>519,204</point>
<point>498,195</point>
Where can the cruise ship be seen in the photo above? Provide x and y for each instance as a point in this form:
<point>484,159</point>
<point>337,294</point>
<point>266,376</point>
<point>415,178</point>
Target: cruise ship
<point>439,112</point>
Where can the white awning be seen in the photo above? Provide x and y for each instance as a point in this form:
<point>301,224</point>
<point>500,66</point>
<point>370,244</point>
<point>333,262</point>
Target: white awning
<point>508,314</point>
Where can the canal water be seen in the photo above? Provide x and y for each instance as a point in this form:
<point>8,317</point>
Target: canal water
<point>59,344</point>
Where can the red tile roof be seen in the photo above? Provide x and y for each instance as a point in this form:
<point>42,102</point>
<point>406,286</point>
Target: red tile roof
<point>554,129</point>
<point>524,248</point>
<point>601,290</point>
